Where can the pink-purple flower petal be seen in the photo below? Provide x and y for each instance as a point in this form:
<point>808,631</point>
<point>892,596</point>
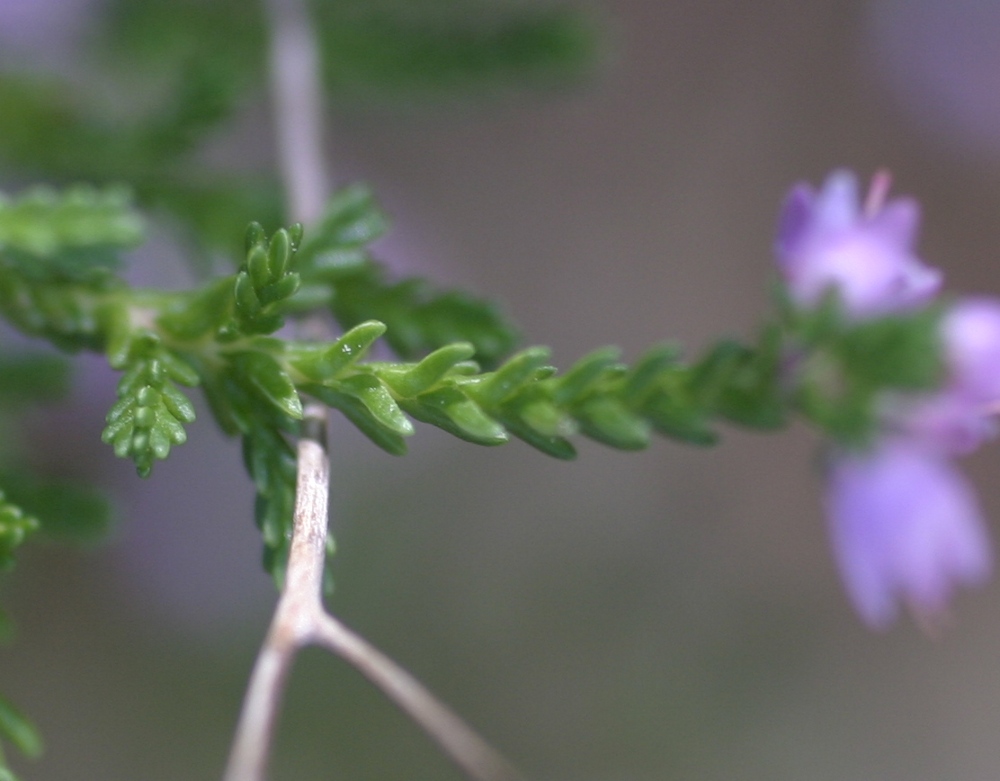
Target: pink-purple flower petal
<point>826,241</point>
<point>905,524</point>
<point>906,528</point>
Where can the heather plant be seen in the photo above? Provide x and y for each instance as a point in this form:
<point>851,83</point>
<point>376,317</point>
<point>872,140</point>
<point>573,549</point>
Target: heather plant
<point>861,343</point>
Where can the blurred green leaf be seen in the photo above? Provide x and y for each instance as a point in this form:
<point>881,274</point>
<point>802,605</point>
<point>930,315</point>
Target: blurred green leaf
<point>15,526</point>
<point>33,378</point>
<point>903,352</point>
<point>15,727</point>
<point>69,232</point>
<point>44,130</point>
<point>66,510</point>
<point>377,47</point>
<point>438,48</point>
<point>607,420</point>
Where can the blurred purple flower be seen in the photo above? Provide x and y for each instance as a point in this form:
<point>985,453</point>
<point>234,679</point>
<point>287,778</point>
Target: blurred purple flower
<point>939,60</point>
<point>905,525</point>
<point>826,239</point>
<point>959,417</point>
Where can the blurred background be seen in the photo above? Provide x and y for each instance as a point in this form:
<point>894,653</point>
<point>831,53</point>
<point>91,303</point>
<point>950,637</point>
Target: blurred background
<point>671,614</point>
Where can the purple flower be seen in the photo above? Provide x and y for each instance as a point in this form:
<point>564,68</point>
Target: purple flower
<point>905,524</point>
<point>959,417</point>
<point>825,239</point>
<point>906,528</point>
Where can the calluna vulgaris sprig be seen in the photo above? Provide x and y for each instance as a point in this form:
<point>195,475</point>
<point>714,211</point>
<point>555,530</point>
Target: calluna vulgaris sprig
<point>860,345</point>
<point>58,281</point>
<point>59,255</point>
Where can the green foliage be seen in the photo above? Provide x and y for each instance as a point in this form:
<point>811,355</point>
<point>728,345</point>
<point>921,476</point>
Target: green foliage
<point>266,280</point>
<point>74,235</point>
<point>846,368</point>
<point>598,397</point>
<point>418,319</point>
<point>177,71</point>
<point>167,35</point>
<point>221,336</point>
<point>392,48</point>
<point>32,378</point>
<point>65,510</point>
<point>169,54</point>
<point>57,257</point>
<point>15,526</point>
<point>43,129</point>
<point>375,47</point>
<point>271,463</point>
<point>16,728</point>
<point>151,411</point>
<point>47,130</point>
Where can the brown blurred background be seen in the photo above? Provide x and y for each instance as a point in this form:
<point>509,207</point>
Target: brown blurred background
<point>672,614</point>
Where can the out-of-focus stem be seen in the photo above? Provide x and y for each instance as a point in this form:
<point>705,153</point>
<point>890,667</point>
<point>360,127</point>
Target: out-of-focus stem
<point>466,749</point>
<point>297,102</point>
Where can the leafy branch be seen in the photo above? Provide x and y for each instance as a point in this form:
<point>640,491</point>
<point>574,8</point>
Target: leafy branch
<point>60,253</point>
<point>59,281</point>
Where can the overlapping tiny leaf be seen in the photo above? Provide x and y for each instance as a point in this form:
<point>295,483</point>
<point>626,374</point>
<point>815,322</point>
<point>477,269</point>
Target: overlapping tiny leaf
<point>266,280</point>
<point>149,416</point>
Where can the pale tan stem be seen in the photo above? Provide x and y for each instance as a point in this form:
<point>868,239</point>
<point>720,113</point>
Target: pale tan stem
<point>297,98</point>
<point>299,607</point>
<point>465,748</point>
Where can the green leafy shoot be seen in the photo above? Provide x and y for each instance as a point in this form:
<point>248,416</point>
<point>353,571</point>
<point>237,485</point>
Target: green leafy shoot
<point>526,397</point>
<point>333,257</point>
<point>456,371</point>
<point>266,281</point>
<point>149,416</point>
<point>58,254</point>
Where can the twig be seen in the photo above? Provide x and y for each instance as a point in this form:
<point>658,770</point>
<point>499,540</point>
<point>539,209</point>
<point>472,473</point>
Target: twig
<point>299,609</point>
<point>300,618</point>
<point>297,98</point>
<point>466,749</point>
